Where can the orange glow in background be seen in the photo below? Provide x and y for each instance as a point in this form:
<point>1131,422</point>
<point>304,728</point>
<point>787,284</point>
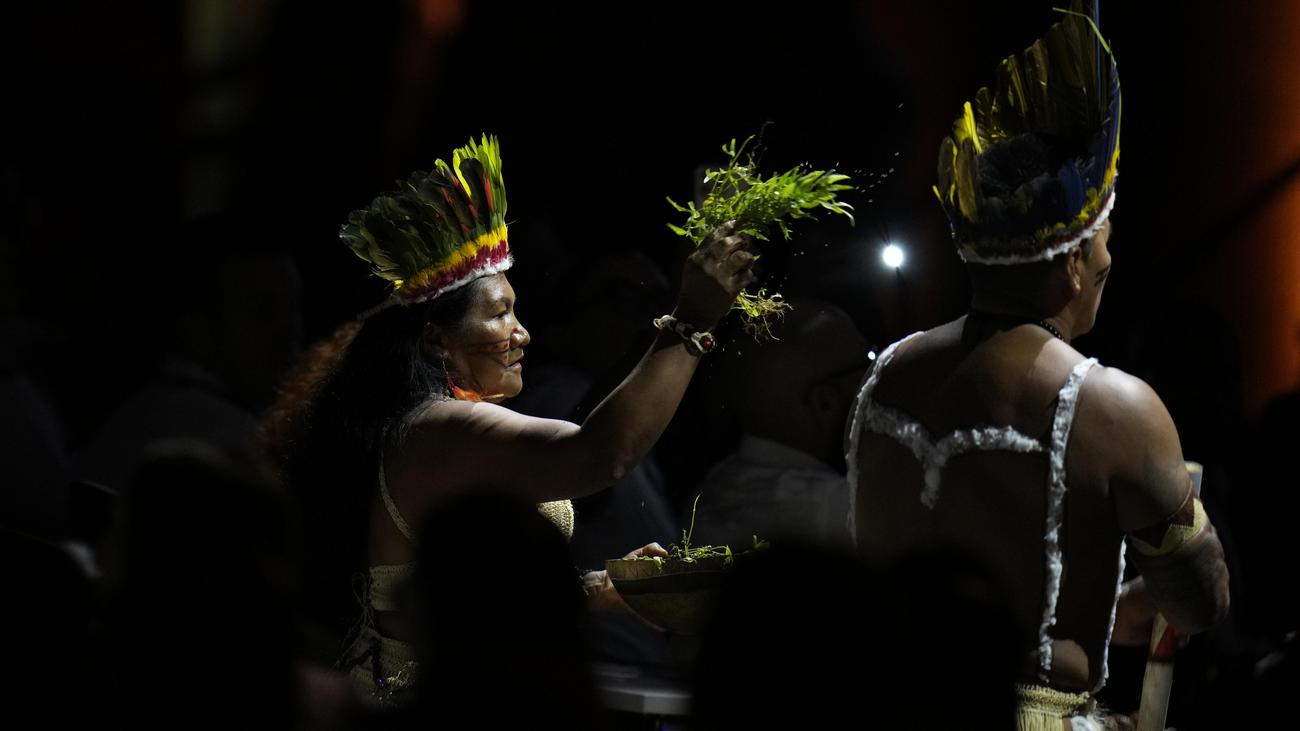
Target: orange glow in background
<point>1248,122</point>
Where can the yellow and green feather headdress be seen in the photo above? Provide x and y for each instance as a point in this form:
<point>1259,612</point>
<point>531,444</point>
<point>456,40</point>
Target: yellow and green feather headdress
<point>1029,171</point>
<point>440,229</point>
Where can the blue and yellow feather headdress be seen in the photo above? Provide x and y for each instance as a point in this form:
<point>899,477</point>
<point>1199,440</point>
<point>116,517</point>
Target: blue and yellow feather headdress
<point>1029,171</point>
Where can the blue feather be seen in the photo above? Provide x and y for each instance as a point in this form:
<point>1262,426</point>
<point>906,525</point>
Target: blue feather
<point>1072,188</point>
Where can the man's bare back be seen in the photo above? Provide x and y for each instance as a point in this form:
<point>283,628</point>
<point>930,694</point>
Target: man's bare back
<point>1122,471</point>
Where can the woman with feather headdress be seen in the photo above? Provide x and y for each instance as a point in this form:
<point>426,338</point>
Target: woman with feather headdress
<point>401,409</point>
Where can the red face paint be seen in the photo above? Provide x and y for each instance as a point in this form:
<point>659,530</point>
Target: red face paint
<point>499,346</point>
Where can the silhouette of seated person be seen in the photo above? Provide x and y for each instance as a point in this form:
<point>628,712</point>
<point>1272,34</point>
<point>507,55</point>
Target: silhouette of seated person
<point>806,636</point>
<point>33,459</point>
<point>496,619</point>
<point>791,395</point>
<point>225,336</point>
<point>199,594</point>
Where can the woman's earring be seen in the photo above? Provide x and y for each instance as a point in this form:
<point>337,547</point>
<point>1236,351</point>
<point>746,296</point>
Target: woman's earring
<point>458,393</point>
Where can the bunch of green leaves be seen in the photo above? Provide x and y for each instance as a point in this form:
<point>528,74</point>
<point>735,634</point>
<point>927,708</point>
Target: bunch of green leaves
<point>687,553</point>
<point>760,206</point>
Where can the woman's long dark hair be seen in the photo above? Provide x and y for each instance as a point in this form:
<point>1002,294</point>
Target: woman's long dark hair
<point>347,398</point>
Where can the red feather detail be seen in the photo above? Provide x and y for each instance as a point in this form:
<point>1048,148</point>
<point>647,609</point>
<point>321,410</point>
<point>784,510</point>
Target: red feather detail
<point>462,394</point>
<point>485,257</point>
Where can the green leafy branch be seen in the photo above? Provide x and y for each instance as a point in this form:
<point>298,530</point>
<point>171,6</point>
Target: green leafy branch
<point>760,207</point>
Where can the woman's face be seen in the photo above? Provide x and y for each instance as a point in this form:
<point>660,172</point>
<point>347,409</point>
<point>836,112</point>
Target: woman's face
<point>484,353</point>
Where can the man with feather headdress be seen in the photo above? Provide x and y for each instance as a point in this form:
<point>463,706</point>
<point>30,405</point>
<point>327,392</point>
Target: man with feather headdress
<point>992,435</point>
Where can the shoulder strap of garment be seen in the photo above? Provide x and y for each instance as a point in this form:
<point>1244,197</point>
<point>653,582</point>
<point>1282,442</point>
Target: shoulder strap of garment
<point>393,512</point>
<point>1066,401</point>
<point>860,405</point>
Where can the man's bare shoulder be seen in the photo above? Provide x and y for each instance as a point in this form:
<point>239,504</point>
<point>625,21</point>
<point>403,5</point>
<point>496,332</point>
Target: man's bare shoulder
<point>1132,441</point>
<point>1122,399</point>
<point>923,348</point>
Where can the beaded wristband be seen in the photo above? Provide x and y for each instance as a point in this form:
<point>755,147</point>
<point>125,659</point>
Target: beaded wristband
<point>698,342</point>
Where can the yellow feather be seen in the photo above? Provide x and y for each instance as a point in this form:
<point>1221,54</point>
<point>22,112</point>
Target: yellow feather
<point>947,187</point>
<point>967,179</point>
<point>964,128</point>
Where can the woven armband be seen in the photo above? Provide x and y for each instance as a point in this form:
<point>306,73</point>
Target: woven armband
<point>1172,533</point>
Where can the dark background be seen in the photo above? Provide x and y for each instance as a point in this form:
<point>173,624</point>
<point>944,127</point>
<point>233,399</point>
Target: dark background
<point>125,123</point>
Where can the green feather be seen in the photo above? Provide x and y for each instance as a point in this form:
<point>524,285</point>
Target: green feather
<point>431,214</point>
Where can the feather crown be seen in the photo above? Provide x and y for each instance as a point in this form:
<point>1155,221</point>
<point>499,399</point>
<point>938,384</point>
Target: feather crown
<point>1029,171</point>
<point>440,229</point>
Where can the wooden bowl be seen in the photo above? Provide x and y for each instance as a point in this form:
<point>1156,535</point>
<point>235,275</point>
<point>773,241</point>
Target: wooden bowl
<point>673,594</point>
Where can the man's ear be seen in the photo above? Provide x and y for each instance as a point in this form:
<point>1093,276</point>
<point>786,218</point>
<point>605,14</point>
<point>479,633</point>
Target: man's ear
<point>1074,265</point>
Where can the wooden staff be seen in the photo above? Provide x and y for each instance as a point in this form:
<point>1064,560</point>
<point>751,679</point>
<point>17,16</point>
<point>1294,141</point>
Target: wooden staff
<point>1159,677</point>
